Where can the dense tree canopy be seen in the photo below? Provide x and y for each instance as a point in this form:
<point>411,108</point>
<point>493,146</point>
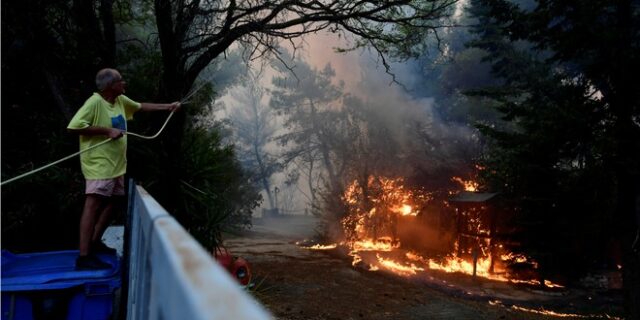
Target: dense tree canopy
<point>569,153</point>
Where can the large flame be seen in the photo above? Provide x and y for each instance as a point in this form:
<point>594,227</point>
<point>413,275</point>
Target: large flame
<point>382,244</point>
<point>373,209</point>
<point>453,264</point>
<point>404,210</point>
<point>370,225</point>
<point>398,267</point>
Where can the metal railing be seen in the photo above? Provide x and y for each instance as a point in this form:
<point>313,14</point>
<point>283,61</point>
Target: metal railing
<point>171,276</point>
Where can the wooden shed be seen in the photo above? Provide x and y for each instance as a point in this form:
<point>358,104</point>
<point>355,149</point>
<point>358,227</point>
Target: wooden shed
<point>476,218</point>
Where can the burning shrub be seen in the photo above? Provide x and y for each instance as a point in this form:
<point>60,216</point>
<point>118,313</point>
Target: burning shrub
<point>373,210</point>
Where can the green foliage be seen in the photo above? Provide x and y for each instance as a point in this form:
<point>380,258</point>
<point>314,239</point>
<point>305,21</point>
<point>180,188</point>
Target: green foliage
<point>216,193</point>
<point>405,38</point>
<point>51,51</point>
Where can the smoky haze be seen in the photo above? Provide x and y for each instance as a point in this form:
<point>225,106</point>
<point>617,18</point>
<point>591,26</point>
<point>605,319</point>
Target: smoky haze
<point>403,128</point>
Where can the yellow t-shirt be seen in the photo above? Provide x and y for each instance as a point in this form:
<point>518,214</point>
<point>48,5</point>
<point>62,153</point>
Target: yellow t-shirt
<point>110,159</point>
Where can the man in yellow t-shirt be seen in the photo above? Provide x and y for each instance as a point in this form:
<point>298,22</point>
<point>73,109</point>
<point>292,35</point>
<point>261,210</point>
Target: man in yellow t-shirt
<point>104,116</point>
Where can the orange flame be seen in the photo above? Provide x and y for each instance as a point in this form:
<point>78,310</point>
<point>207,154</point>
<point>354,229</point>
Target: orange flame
<point>382,244</point>
<point>553,313</point>
<point>321,247</point>
<point>356,258</point>
<point>369,225</point>
<point>469,185</point>
<point>405,210</point>
<point>397,267</point>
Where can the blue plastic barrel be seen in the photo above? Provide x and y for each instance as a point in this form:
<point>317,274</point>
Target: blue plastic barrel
<point>46,285</point>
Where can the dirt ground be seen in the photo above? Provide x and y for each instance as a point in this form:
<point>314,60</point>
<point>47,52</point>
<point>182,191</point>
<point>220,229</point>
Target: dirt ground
<point>296,283</point>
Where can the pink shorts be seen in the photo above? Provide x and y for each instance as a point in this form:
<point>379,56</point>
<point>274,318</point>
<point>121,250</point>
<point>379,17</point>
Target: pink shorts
<point>106,187</point>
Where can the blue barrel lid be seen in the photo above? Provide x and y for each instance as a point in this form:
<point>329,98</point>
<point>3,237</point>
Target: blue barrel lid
<point>51,270</point>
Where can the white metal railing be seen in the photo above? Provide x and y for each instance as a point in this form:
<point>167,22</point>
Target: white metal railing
<point>171,276</point>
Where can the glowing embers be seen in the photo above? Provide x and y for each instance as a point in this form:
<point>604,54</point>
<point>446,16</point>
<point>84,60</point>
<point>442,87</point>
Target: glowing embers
<point>321,247</point>
<point>542,311</point>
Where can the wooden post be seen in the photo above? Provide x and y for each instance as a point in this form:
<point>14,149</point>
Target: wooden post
<point>459,231</point>
<point>492,231</point>
<point>475,260</point>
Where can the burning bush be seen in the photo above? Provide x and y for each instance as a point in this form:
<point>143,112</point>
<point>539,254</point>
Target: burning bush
<point>373,210</point>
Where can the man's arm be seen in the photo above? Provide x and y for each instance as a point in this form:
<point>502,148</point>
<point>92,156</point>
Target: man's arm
<point>147,106</point>
<point>112,133</point>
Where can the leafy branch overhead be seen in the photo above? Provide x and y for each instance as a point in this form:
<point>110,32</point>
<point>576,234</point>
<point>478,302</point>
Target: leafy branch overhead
<point>193,33</point>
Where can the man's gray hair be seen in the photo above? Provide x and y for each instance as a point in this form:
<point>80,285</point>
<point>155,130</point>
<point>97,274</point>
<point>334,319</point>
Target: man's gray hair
<point>105,78</point>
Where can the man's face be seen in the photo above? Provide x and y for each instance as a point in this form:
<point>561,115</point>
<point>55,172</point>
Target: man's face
<point>118,86</point>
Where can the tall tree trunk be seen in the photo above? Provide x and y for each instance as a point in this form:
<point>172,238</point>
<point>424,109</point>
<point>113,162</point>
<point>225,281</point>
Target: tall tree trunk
<point>312,189</point>
<point>324,150</point>
<point>89,35</point>
<point>108,32</point>
<point>264,179</point>
<point>172,87</point>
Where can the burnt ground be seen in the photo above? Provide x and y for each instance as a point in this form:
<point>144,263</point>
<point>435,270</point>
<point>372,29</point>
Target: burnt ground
<point>295,283</point>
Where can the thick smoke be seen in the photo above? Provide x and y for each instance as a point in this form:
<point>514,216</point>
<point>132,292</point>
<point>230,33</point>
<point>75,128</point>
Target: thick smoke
<point>406,102</point>
<point>427,143</point>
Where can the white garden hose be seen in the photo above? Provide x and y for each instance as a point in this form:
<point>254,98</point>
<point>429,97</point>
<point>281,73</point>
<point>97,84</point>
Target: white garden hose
<point>85,150</point>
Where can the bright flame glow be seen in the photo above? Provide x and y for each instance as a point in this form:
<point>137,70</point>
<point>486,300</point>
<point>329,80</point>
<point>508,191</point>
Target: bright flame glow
<point>321,247</point>
<point>397,267</point>
<point>563,315</point>
<point>375,215</point>
<point>469,185</point>
<point>406,210</point>
<point>369,245</point>
<point>516,257</point>
<point>356,258</point>
<point>452,264</point>
<point>371,225</point>
<point>553,313</point>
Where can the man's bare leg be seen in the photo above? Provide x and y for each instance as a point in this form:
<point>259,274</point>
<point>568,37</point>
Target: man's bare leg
<point>114,204</point>
<point>90,212</point>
